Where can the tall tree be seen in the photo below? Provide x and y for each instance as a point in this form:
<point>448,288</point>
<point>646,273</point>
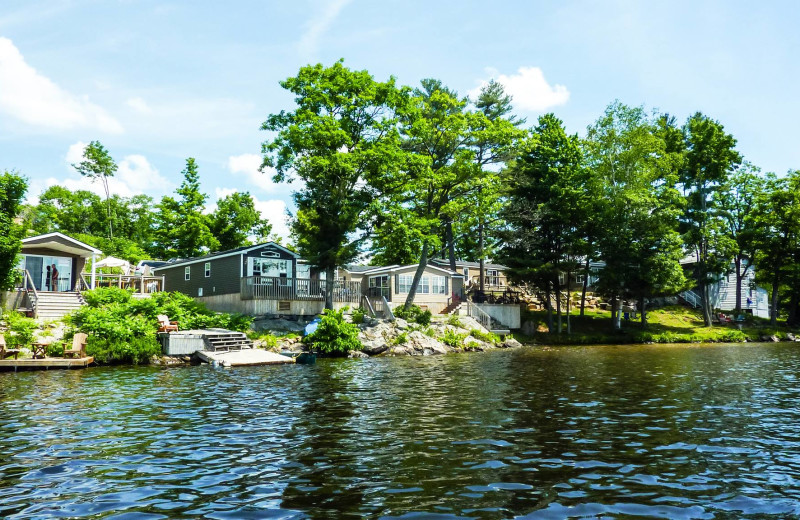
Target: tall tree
<point>236,219</point>
<point>182,227</point>
<point>12,191</point>
<point>97,165</point>
<point>710,157</point>
<point>342,142</point>
<point>541,245</point>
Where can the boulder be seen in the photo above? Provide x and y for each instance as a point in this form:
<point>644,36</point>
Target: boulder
<point>510,342</point>
<point>374,347</point>
<point>529,328</point>
<point>425,345</point>
<point>401,324</point>
<point>356,354</point>
<point>790,337</point>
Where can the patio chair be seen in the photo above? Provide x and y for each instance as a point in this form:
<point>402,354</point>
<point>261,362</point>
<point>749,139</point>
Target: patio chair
<point>164,325</point>
<point>7,352</point>
<point>78,346</point>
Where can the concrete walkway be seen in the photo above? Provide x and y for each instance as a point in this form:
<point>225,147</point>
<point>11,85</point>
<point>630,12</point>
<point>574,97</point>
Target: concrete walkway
<point>244,357</point>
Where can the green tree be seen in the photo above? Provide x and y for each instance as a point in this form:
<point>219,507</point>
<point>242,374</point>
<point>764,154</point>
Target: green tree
<point>97,164</point>
<point>12,191</point>
<point>182,228</point>
<point>342,142</point>
<point>236,220</point>
<point>541,245</point>
<point>710,157</point>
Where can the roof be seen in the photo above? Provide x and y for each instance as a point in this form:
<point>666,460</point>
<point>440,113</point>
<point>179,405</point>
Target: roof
<point>223,254</point>
<point>60,242</point>
<point>464,263</point>
<point>371,269</point>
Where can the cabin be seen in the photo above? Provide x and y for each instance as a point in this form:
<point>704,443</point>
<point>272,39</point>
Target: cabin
<point>256,280</point>
<point>438,287</point>
<point>755,300</point>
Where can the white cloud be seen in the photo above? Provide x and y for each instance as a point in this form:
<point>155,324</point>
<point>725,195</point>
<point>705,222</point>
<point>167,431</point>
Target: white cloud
<point>247,166</point>
<point>318,26</point>
<point>139,105</point>
<point>529,88</point>
<point>36,100</point>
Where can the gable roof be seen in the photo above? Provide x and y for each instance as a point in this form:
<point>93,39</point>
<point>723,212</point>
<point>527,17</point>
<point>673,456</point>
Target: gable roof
<point>371,269</point>
<point>222,254</point>
<point>464,263</point>
<point>60,242</point>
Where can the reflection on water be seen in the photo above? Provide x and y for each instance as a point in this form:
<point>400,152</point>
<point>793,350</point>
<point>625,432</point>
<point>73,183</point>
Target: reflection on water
<point>628,431</point>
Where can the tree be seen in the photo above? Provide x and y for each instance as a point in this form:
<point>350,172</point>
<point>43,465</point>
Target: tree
<point>12,190</point>
<point>776,234</point>
<point>97,164</point>
<point>736,203</point>
<point>541,244</point>
<point>637,237</point>
<point>182,228</point>
<point>342,142</point>
<point>236,220</point>
<point>710,157</point>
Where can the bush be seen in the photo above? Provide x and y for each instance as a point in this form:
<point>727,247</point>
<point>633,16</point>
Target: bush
<point>453,339</point>
<point>487,337</point>
<point>413,313</point>
<point>334,335</point>
<point>358,316</point>
<point>401,338</point>
<point>453,321</point>
<point>55,349</point>
<point>21,328</point>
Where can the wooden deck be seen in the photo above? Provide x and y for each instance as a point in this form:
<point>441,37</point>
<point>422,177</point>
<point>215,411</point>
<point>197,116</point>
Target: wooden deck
<point>244,357</point>
<point>45,363</point>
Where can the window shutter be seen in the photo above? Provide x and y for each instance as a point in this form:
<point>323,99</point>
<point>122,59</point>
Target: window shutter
<point>446,284</point>
<point>397,284</point>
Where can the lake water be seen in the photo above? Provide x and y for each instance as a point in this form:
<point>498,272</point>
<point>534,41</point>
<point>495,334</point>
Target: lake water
<point>619,431</point>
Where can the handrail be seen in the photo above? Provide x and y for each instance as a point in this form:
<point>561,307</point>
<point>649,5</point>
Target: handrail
<point>80,282</point>
<point>28,279</point>
<point>387,311</point>
<point>692,298</point>
<point>369,306</point>
<point>479,314</point>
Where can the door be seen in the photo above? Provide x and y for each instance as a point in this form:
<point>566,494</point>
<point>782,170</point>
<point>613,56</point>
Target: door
<point>35,266</point>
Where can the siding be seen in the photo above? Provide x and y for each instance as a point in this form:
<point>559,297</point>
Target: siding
<point>224,277</point>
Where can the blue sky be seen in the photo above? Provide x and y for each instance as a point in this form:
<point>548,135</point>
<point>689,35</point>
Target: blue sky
<point>157,82</point>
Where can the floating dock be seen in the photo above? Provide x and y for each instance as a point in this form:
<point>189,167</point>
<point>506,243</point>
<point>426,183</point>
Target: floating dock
<point>45,363</point>
<point>244,357</point>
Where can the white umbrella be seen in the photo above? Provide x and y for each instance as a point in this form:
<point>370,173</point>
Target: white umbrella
<point>111,261</point>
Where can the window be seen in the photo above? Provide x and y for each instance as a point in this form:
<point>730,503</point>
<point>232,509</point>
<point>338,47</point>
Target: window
<point>425,285</point>
<point>284,306</point>
<point>208,269</point>
<point>492,277</point>
<point>404,282</point>
<point>187,273</point>
<point>579,279</point>
<point>439,285</point>
<point>199,291</point>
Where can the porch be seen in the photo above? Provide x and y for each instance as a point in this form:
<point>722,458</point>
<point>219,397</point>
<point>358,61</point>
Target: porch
<point>139,284</point>
<point>297,289</point>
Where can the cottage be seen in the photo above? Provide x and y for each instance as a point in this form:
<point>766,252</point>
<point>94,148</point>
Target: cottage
<point>262,279</point>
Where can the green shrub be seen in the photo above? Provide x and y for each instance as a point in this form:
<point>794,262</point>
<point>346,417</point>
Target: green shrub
<point>334,335</point>
<point>487,337</point>
<point>137,350</point>
<point>413,313</point>
<point>429,331</point>
<point>55,349</point>
<point>358,316</point>
<point>106,295</point>
<point>453,321</point>
<point>453,339</point>
<point>21,328</point>
<point>401,338</point>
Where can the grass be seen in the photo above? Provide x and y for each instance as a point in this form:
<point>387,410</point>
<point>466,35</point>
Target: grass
<point>667,325</point>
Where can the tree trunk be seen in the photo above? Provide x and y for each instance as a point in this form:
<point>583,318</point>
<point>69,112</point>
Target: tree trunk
<point>773,306</point>
<point>549,306</point>
<point>618,315</point>
<point>794,307</point>
<point>451,246</point>
<point>330,272</point>
<point>614,312</point>
<point>706,302</point>
<point>569,302</point>
<point>558,307</point>
<point>108,208</point>
<point>642,306</point>
<point>423,262</point>
<point>585,285</point>
<point>482,265</point>
<point>738,266</point>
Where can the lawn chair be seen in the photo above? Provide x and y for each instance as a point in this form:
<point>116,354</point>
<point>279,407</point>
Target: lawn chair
<point>78,346</point>
<point>723,318</point>
<point>164,325</point>
<point>7,352</point>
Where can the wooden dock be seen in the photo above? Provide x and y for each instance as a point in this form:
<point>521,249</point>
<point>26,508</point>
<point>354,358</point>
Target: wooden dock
<point>244,357</point>
<point>45,363</point>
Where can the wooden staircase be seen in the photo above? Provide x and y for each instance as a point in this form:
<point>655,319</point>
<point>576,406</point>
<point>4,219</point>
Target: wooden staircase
<point>452,308</point>
<point>56,305</point>
<point>226,341</point>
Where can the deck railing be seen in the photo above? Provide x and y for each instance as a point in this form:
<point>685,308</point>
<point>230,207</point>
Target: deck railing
<point>139,284</point>
<point>298,289</point>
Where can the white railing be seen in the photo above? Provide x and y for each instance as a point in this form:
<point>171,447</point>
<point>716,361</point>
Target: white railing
<point>29,287</point>
<point>368,306</point>
<point>692,298</point>
<point>139,284</point>
<point>302,289</point>
<point>479,314</point>
<point>387,310</point>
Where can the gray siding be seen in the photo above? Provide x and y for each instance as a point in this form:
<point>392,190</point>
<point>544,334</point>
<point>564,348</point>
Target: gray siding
<point>224,277</point>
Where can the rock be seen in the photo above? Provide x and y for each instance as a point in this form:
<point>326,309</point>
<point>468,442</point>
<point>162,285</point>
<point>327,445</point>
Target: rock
<point>356,354</point>
<point>475,346</point>
<point>790,337</point>
<point>401,324</point>
<point>772,338</point>
<point>510,342</point>
<point>424,344</point>
<point>529,328</point>
<point>278,324</point>
<point>374,347</point>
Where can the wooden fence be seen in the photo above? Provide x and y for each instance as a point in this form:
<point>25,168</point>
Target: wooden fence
<point>298,289</point>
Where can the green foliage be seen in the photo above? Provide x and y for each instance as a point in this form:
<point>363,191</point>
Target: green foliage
<point>97,164</point>
<point>358,316</point>
<point>487,337</point>
<point>55,349</point>
<point>413,313</point>
<point>123,329</point>
<point>235,220</point>
<point>22,329</point>
<point>453,339</point>
<point>334,335</point>
<point>12,192</point>
<point>454,321</point>
<point>401,338</point>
